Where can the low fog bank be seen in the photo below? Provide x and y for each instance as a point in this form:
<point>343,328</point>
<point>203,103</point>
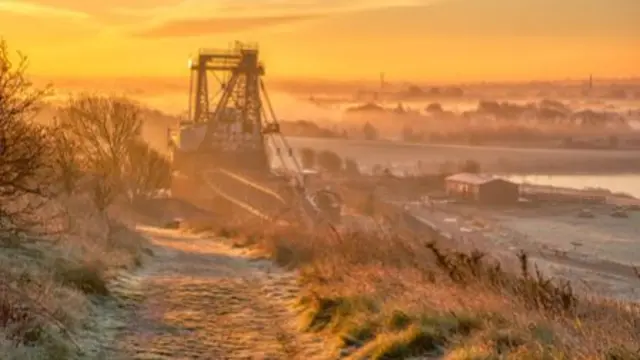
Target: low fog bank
<point>432,133</point>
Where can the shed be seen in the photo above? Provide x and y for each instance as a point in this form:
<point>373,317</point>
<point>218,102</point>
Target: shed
<point>482,188</point>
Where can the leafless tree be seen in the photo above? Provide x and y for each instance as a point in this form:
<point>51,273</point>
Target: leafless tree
<point>102,136</point>
<point>24,146</point>
<point>103,129</point>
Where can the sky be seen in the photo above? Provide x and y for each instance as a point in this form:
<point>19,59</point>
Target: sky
<point>409,40</point>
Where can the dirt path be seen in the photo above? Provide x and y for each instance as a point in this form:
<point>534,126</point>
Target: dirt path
<point>201,299</point>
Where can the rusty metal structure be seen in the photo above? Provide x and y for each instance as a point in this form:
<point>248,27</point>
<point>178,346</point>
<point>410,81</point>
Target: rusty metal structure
<point>224,153</point>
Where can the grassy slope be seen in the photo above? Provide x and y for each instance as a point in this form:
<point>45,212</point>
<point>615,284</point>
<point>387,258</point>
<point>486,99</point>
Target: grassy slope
<point>399,296</point>
<point>50,287</point>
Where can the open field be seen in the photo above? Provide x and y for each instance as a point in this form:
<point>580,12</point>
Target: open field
<point>492,159</point>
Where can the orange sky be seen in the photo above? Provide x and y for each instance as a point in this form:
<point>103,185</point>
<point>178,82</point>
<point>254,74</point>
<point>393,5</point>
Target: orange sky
<point>439,40</point>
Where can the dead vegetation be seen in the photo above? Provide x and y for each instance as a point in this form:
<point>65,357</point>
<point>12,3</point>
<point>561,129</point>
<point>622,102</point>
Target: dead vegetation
<point>60,242</point>
<point>394,297</point>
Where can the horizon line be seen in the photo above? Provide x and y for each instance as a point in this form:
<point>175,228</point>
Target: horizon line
<point>342,81</point>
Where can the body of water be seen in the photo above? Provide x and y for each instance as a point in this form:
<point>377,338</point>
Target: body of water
<point>576,169</point>
<point>622,183</point>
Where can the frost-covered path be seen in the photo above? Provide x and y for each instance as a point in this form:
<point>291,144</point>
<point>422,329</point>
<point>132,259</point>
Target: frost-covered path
<point>202,299</point>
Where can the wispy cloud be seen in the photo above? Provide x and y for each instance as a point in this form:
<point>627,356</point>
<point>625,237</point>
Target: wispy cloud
<point>312,6</point>
<point>190,9</point>
<point>194,27</point>
<point>31,9</point>
<point>193,17</point>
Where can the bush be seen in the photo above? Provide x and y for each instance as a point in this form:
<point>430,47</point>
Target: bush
<point>470,166</point>
<point>351,167</point>
<point>330,161</point>
<point>147,172</point>
<point>308,158</point>
<point>370,132</point>
<point>87,278</point>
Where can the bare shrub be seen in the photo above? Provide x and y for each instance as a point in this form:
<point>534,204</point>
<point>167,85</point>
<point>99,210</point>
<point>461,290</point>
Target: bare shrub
<point>147,171</point>
<point>370,132</point>
<point>470,166</point>
<point>351,167</point>
<point>308,158</point>
<point>446,168</point>
<point>330,161</point>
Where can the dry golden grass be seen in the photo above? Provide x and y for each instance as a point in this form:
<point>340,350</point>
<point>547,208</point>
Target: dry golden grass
<point>50,284</point>
<point>395,297</point>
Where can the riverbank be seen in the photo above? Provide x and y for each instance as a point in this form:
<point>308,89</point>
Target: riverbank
<point>621,188</point>
<point>432,158</point>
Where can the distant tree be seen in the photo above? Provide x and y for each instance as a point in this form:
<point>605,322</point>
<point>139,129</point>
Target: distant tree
<point>455,91</point>
<point>308,158</point>
<point>329,161</point>
<point>489,107</point>
<point>618,93</point>
<point>470,166</point>
<point>554,104</point>
<point>370,132</point>
<point>105,129</point>
<point>434,108</point>
<point>414,90</point>
<point>447,167</point>
<point>368,206</point>
<point>146,172</point>
<point>351,167</point>
<point>407,133</point>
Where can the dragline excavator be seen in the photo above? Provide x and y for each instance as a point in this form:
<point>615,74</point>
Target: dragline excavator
<point>225,155</point>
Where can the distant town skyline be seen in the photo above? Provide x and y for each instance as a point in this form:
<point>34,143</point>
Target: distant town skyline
<point>443,41</point>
